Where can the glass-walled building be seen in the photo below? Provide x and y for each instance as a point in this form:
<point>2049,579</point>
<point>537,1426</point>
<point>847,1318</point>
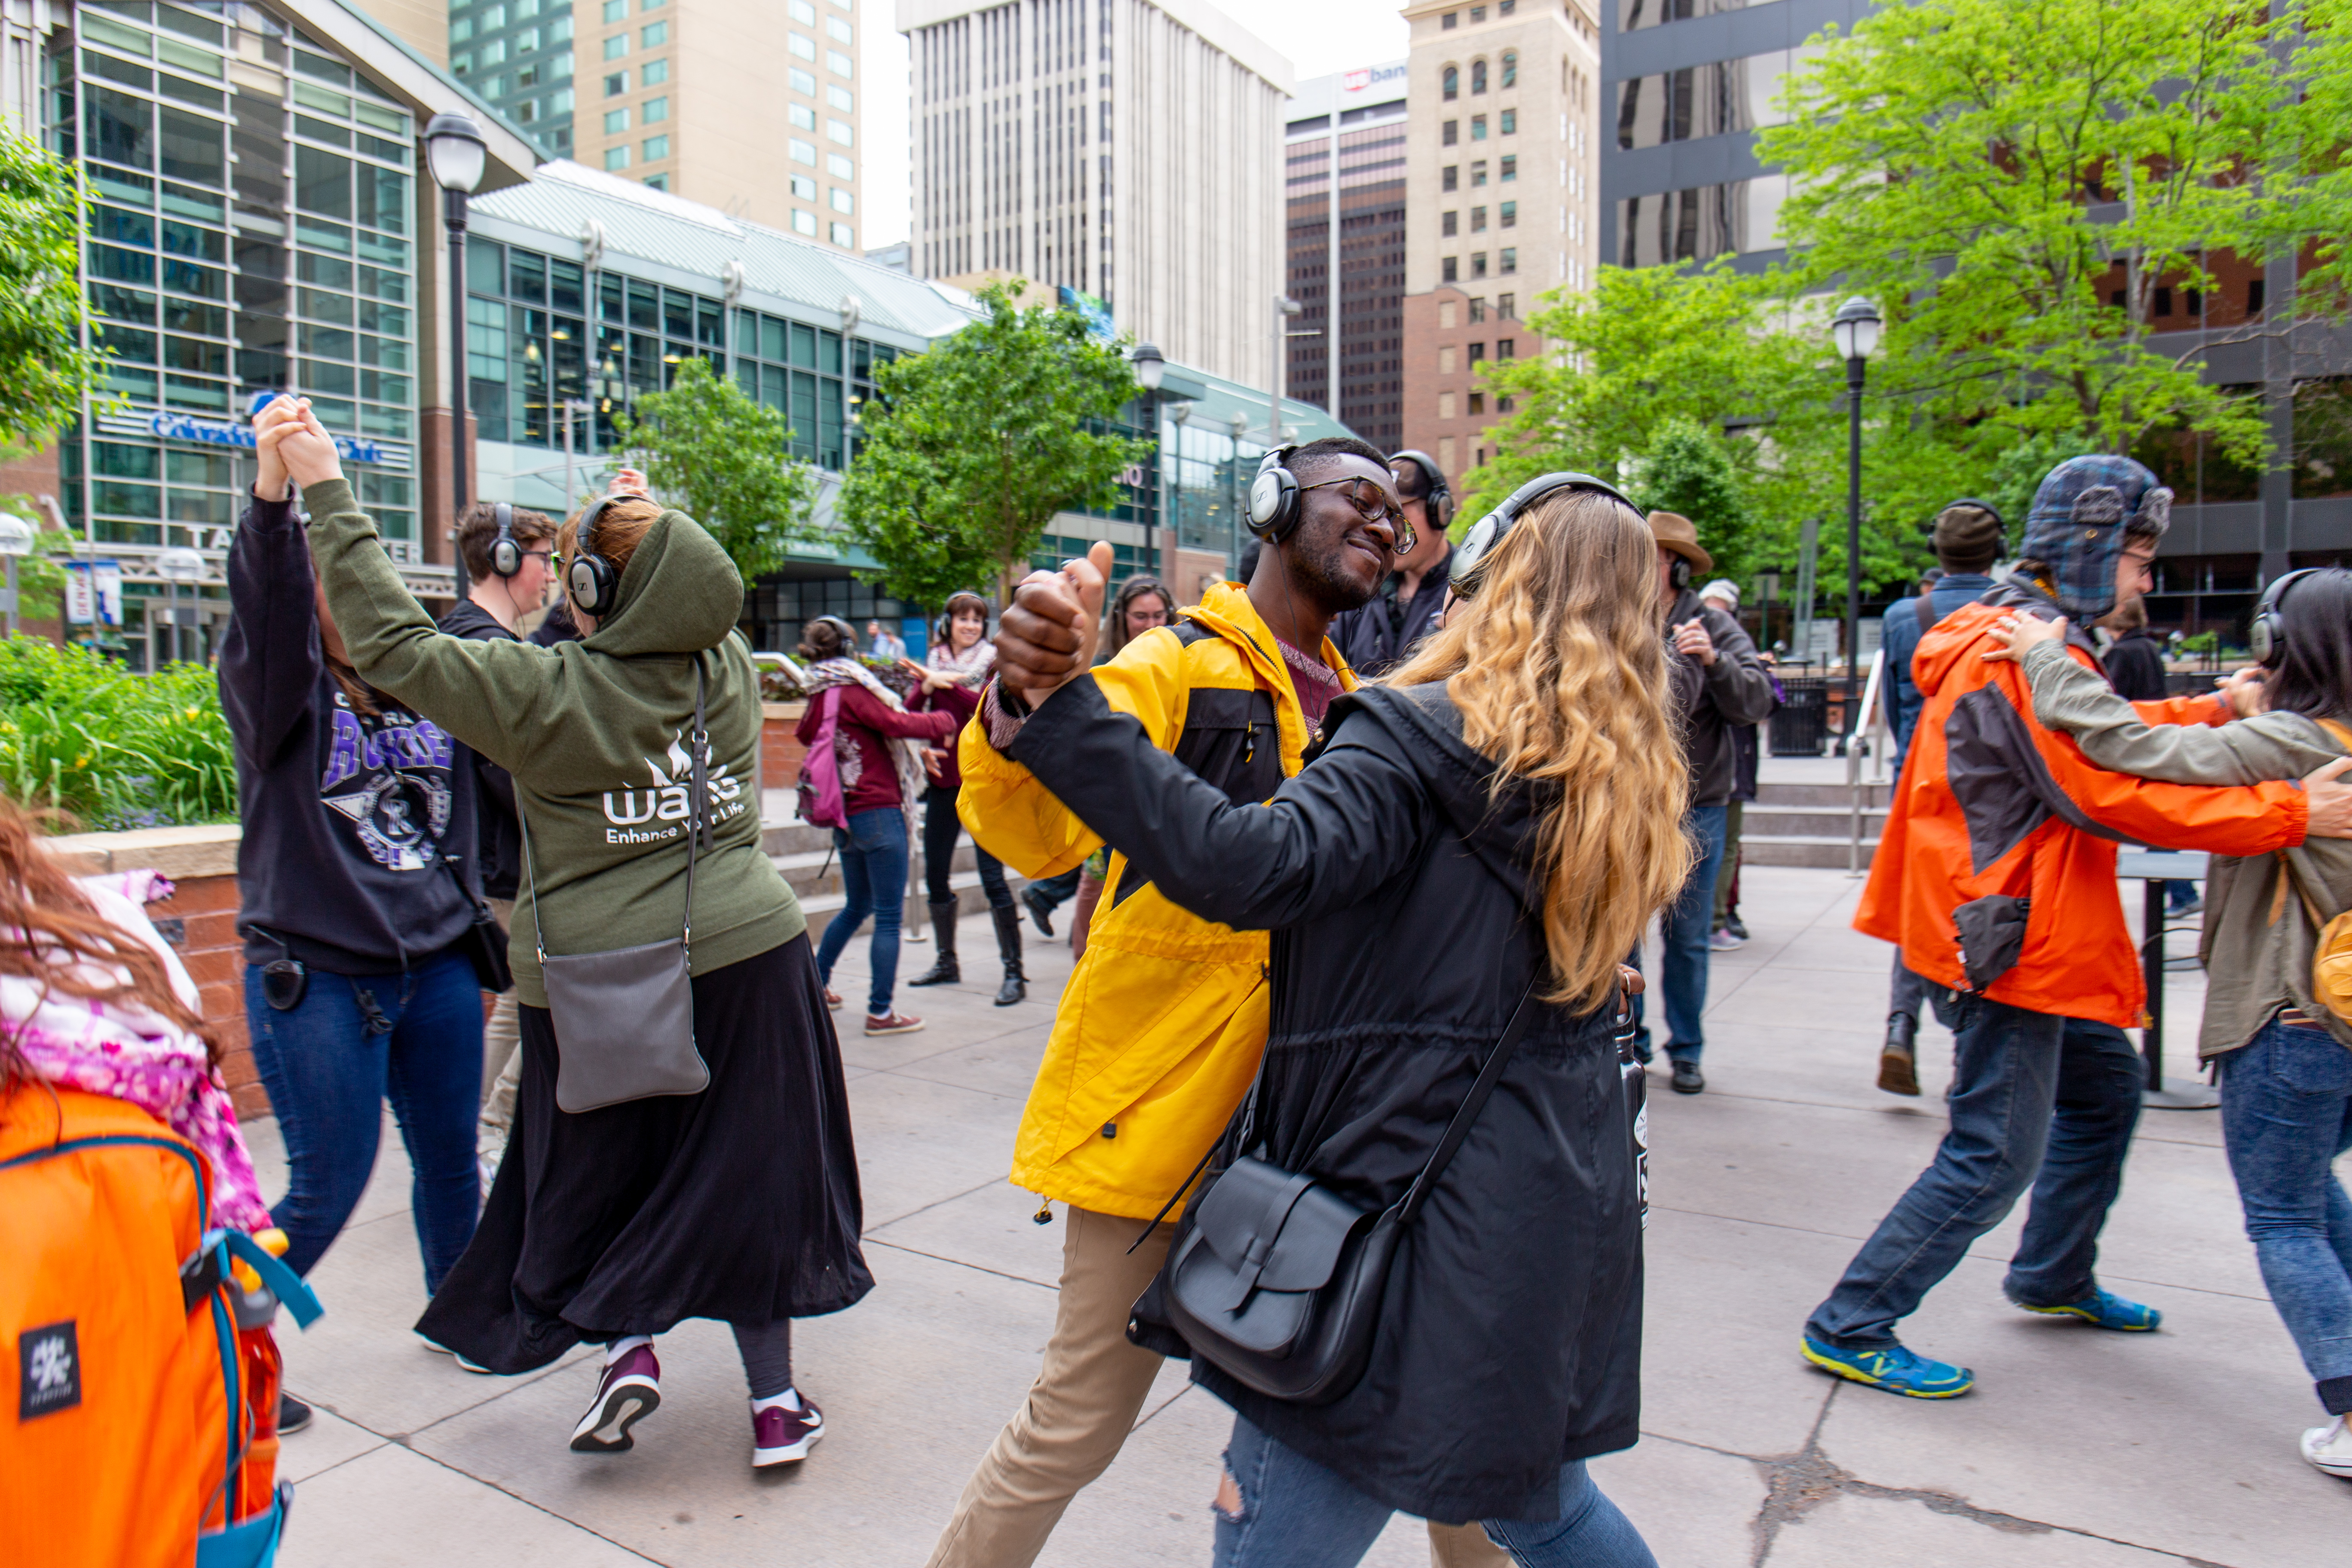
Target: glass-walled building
<point>253,227</point>
<point>586,291</point>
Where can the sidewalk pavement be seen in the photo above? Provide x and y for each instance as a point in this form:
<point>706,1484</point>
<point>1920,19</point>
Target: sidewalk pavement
<point>2080,1449</point>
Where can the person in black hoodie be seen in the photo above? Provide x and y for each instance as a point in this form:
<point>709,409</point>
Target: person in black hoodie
<point>509,556</point>
<point>358,873</point>
<point>1519,780</point>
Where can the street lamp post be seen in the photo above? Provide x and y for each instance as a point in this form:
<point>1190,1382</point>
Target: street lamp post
<point>1171,514</point>
<point>1236,423</point>
<point>176,566</point>
<point>457,155</point>
<point>1150,369</point>
<point>1856,331</point>
<point>16,542</point>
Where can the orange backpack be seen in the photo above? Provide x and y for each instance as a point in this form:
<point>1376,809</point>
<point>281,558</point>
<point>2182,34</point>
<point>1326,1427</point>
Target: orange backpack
<point>139,1381</point>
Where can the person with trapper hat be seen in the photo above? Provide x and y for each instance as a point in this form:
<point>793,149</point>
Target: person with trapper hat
<point>1995,873</point>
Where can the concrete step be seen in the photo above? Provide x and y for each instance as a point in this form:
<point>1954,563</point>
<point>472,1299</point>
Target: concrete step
<point>820,909</point>
<point>1825,850</point>
<point>1818,794</point>
<point>1762,821</point>
<point>810,872</point>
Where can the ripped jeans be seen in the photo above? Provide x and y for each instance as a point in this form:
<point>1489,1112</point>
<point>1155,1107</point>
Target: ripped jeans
<point>1295,1515</point>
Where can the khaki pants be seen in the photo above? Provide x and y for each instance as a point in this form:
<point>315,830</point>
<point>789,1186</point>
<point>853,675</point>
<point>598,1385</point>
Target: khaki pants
<point>1082,1406</point>
<point>501,1066</point>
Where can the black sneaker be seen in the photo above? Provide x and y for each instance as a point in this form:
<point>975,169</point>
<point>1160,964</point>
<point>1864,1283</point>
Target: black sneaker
<point>1735,928</point>
<point>1688,1080</point>
<point>1039,910</point>
<point>293,1414</point>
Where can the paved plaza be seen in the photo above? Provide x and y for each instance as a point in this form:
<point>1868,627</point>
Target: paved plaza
<point>2080,1449</point>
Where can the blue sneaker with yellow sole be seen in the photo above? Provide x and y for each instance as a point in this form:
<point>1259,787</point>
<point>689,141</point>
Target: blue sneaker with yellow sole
<point>1894,1368</point>
<point>2105,1310</point>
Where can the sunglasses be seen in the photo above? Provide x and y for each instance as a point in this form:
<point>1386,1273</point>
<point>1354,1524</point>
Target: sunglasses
<point>1372,504</point>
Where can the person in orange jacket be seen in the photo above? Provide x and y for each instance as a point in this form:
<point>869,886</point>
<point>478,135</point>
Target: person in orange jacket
<point>1995,873</point>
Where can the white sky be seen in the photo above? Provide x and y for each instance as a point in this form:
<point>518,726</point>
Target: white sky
<point>1318,37</point>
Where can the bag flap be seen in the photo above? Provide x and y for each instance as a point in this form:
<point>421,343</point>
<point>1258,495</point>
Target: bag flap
<point>1275,1230</point>
<point>1307,1250</point>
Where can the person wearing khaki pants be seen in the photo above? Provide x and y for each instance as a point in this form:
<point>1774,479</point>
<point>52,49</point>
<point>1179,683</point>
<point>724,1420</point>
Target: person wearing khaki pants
<point>1160,1027</point>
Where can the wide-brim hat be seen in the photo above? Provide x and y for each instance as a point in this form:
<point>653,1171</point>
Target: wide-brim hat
<point>1676,533</point>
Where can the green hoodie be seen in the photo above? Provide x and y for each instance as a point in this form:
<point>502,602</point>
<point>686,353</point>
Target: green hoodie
<point>594,733</point>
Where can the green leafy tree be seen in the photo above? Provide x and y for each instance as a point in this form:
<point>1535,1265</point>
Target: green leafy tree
<point>723,459</point>
<point>2318,129</point>
<point>2011,183</point>
<point>1688,471</point>
<point>44,372</point>
<point>972,447</point>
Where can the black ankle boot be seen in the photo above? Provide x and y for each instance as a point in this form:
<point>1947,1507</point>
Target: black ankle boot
<point>943,971</point>
<point>1008,946</point>
<point>1898,1059</point>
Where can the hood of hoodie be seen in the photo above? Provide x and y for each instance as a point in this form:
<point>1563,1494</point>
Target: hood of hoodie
<point>1500,827</point>
<point>680,593</point>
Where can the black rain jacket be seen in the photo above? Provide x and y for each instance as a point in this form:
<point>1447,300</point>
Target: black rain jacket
<point>1406,926</point>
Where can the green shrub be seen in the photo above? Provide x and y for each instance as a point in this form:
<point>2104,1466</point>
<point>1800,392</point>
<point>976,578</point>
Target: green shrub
<point>81,735</point>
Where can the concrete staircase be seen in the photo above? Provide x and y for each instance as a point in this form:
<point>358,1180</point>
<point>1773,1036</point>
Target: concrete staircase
<point>1809,824</point>
<point>803,854</point>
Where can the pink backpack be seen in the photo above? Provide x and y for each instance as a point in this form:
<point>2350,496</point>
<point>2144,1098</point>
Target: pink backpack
<point>821,802</point>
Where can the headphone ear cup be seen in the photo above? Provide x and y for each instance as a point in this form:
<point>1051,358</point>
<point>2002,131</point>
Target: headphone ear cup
<point>589,584</point>
<point>1273,504</point>
<point>506,558</point>
<point>1679,573</point>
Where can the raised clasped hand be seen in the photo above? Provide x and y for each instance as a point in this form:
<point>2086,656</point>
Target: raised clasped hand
<point>2246,691</point>
<point>2017,633</point>
<point>1048,636</point>
<point>288,435</point>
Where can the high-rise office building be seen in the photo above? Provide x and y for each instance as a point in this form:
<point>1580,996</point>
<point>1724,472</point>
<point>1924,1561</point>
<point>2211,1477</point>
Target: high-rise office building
<point>1122,150</point>
<point>743,105</point>
<point>1502,195</point>
<point>1344,186</point>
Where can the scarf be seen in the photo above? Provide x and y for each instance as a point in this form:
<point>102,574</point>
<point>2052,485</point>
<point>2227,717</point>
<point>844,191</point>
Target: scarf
<point>974,666</point>
<point>905,755</point>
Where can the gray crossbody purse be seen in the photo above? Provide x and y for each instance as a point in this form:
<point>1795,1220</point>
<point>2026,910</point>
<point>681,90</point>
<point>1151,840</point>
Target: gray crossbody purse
<point>624,1019</point>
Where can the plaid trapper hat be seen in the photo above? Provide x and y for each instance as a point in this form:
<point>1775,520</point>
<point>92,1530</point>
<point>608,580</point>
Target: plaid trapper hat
<point>2083,513</point>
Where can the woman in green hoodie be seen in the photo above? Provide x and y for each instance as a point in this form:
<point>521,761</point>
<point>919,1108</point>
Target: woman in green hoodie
<point>610,1226</point>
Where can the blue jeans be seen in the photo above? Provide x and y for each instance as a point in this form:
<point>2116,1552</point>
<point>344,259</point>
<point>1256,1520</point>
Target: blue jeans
<point>1296,1514</point>
<point>2037,1100</point>
<point>2286,1114</point>
<point>873,850</point>
<point>1683,932</point>
<point>331,1061</point>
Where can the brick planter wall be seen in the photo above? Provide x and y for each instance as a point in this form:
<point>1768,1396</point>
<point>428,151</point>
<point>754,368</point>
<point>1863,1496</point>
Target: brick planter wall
<point>781,750</point>
<point>199,919</point>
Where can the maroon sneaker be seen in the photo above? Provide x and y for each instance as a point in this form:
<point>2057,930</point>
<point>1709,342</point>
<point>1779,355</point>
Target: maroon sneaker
<point>629,1391</point>
<point>780,1436</point>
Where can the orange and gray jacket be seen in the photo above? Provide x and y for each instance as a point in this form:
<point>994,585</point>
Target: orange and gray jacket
<point>1996,871</point>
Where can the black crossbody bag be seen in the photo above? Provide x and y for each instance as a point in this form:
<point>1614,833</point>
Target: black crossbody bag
<point>1278,1280</point>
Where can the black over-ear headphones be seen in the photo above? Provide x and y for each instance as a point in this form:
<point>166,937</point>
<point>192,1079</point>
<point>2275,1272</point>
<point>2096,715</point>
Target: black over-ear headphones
<point>506,555</point>
<point>1679,572</point>
<point>1440,499</point>
<point>848,637</point>
<point>2267,635</point>
<point>589,580</point>
<point>1273,497</point>
<point>1490,528</point>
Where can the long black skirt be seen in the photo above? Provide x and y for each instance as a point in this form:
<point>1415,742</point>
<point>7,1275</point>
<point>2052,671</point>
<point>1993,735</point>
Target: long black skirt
<point>740,1202</point>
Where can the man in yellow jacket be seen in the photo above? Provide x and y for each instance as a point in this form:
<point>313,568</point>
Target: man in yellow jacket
<point>1163,1023</point>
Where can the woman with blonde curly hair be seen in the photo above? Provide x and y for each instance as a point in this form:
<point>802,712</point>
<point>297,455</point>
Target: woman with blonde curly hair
<point>1516,785</point>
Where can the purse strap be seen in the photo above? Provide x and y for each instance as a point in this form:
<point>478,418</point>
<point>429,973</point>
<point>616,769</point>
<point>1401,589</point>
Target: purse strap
<point>1459,1128</point>
<point>698,824</point>
<point>2296,871</point>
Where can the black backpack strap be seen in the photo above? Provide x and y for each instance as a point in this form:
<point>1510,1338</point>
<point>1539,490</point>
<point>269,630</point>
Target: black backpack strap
<point>1926,613</point>
<point>1459,1128</point>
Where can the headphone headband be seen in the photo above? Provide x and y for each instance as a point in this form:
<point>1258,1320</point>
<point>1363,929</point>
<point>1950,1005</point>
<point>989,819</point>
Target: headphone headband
<point>506,553</point>
<point>2267,634</point>
<point>1490,528</point>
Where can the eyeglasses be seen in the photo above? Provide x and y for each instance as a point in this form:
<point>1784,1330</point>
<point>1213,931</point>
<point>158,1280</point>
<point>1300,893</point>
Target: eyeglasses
<point>1372,504</point>
<point>547,556</point>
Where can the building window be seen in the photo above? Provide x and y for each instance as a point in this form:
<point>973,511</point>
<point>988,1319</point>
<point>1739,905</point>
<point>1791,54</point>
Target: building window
<point>1451,177</point>
<point>805,223</point>
<point>616,157</point>
<point>1478,401</point>
<point>1478,171</point>
<point>803,187</point>
<point>1448,21</point>
<point>653,36</point>
<point>844,237</point>
<point>1479,264</point>
<point>1505,9</point>
<point>1478,128</point>
<point>461,29</point>
<point>1510,64</point>
<point>803,12</point>
<point>1445,406</point>
<point>1511,167</point>
<point>841,97</point>
<point>1478,353</point>
<point>1451,267</point>
<point>1478,309</point>
<point>656,109</point>
<point>616,121</point>
<point>801,80</point>
<point>617,45</point>
<point>1506,348</point>
<point>802,152</point>
<point>1511,122</point>
<point>1449,133</point>
<point>842,202</point>
<point>803,47</point>
<point>839,167</point>
<point>1453,82</point>
<point>1477,217</point>
<point>803,118</point>
<point>1477,14</point>
<point>656,149</point>
<point>1506,306</point>
<point>1477,76</point>
<point>653,73</point>
<point>617,84</point>
<point>615,9</point>
<point>838,63</point>
<point>1510,261</point>
<point>838,132</point>
<point>657,182</point>
<point>1448,224</point>
<point>1510,213</point>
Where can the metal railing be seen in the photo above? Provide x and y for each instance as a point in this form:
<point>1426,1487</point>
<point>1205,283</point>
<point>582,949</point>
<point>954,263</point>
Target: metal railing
<point>1867,731</point>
